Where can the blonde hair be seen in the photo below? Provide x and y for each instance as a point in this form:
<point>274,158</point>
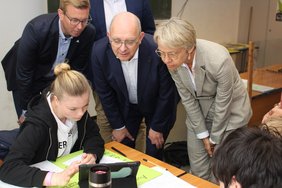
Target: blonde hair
<point>80,4</point>
<point>176,33</point>
<point>70,82</point>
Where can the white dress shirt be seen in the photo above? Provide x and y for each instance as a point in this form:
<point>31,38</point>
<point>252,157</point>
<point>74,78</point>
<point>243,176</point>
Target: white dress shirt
<point>111,8</point>
<point>191,74</point>
<point>130,72</point>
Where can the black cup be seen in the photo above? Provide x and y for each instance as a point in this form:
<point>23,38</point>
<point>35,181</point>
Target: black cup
<point>100,177</point>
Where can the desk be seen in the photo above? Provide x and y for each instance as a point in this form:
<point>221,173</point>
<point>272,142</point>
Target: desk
<point>198,182</point>
<point>240,52</point>
<point>139,156</point>
<point>263,102</point>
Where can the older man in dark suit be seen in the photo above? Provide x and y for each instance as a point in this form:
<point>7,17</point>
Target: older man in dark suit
<point>133,83</point>
<point>46,41</point>
<point>102,13</point>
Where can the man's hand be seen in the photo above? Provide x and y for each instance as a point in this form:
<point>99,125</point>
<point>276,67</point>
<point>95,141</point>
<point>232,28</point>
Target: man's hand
<point>208,146</point>
<point>21,119</point>
<point>156,138</point>
<point>119,135</point>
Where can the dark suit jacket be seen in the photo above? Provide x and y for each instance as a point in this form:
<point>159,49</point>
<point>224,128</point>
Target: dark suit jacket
<point>33,56</point>
<point>141,8</point>
<point>156,91</point>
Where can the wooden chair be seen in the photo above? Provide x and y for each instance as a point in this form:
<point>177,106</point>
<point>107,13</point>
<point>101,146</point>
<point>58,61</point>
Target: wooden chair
<point>250,68</point>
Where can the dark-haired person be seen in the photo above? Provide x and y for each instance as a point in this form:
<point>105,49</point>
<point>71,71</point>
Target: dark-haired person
<point>57,123</point>
<point>47,40</point>
<point>249,158</point>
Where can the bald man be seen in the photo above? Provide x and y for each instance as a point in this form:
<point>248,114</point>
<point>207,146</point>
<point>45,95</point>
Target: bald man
<point>133,83</point>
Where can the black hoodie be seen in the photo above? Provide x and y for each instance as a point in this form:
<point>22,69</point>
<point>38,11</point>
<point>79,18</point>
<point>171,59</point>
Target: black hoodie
<point>38,141</point>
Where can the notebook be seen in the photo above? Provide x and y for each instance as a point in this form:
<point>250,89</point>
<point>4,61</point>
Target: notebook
<point>123,174</point>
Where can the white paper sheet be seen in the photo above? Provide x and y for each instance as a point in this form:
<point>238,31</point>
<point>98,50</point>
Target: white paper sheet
<point>257,87</point>
<point>47,166</point>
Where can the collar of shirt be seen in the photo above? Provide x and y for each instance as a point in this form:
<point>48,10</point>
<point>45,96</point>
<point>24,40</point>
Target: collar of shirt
<point>193,64</point>
<point>191,72</point>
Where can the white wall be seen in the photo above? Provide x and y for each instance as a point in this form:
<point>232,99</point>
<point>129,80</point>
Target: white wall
<point>254,20</point>
<point>227,21</point>
<point>15,14</point>
<point>215,20</point>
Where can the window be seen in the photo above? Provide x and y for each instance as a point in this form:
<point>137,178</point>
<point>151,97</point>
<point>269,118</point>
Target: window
<point>53,5</point>
<point>161,9</point>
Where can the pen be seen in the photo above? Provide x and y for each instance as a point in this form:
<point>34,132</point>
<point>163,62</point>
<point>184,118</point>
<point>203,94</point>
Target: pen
<point>146,160</point>
<point>181,174</point>
<point>116,150</point>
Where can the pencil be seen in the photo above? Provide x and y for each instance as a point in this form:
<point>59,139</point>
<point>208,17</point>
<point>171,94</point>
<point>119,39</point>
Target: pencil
<point>118,151</point>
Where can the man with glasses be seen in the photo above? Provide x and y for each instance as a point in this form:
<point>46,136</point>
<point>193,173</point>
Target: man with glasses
<point>133,83</point>
<point>212,92</point>
<point>47,40</point>
<point>102,13</point>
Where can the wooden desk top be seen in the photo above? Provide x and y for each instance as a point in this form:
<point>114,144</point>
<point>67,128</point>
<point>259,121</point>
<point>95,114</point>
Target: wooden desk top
<point>264,76</point>
<point>139,156</point>
<point>198,182</point>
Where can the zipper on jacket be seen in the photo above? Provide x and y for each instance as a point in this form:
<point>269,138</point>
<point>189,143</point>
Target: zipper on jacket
<point>50,137</point>
<point>84,131</point>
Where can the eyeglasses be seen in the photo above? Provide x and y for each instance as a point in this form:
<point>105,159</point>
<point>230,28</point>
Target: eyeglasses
<point>128,43</point>
<point>170,55</point>
<point>75,21</point>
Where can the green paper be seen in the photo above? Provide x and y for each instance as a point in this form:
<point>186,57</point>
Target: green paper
<point>144,173</point>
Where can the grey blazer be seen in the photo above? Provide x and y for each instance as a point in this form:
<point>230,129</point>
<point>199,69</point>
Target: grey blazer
<point>220,97</point>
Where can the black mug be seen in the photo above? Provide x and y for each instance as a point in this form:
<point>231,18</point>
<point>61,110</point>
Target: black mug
<point>100,177</point>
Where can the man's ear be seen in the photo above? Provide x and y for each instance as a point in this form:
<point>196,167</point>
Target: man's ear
<point>142,34</point>
<point>234,183</point>
<point>60,13</point>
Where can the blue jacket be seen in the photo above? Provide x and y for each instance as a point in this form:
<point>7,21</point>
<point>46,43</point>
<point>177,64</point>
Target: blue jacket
<point>34,54</point>
<point>141,8</point>
<point>156,91</point>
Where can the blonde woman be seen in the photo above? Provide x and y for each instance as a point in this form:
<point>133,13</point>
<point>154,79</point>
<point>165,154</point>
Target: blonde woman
<point>57,123</point>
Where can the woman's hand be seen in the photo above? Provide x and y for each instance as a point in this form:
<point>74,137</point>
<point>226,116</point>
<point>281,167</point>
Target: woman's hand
<point>88,158</point>
<point>63,178</point>
<point>208,146</point>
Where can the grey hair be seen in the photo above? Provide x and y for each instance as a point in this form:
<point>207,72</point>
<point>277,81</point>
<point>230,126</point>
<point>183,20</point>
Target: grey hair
<point>176,33</point>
